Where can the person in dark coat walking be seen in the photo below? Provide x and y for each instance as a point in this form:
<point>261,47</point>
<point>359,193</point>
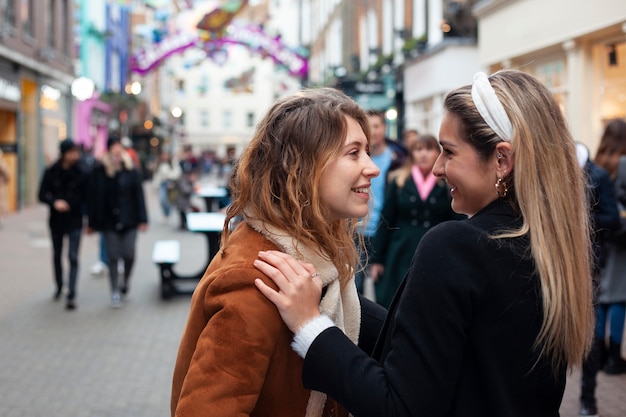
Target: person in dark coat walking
<point>496,308</point>
<point>605,216</point>
<point>611,310</point>
<point>117,208</point>
<point>64,188</point>
<point>415,201</point>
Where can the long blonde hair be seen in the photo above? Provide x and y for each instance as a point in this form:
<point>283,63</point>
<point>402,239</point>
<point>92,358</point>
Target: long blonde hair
<point>548,189</point>
<point>278,175</point>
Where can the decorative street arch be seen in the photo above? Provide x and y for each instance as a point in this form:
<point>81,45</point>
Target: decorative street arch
<point>253,37</point>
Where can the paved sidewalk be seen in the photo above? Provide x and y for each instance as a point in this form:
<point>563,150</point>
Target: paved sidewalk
<point>95,361</point>
<point>101,362</point>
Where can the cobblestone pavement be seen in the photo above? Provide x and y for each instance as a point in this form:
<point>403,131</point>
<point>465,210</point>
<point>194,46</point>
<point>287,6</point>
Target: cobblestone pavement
<point>103,362</point>
<point>95,361</point>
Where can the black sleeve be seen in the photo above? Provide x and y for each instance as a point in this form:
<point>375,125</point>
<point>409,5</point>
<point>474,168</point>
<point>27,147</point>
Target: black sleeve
<point>94,202</point>
<point>428,336</point>
<point>372,319</point>
<point>45,192</point>
<point>605,212</point>
<point>385,225</point>
<point>142,214</point>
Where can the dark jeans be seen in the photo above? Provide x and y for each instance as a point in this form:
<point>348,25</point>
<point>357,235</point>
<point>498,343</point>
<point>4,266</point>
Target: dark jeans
<point>103,250</point>
<point>120,245</point>
<point>612,314</point>
<point>57,252</point>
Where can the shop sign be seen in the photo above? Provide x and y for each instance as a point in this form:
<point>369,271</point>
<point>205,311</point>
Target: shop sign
<point>9,90</point>
<point>372,87</point>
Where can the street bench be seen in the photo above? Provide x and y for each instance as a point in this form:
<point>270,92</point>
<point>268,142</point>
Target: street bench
<point>166,254</point>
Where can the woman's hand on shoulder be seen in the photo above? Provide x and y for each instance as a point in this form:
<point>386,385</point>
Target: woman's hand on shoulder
<point>299,287</point>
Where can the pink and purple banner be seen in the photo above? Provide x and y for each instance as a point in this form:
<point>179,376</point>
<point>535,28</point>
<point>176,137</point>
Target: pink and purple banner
<point>252,37</point>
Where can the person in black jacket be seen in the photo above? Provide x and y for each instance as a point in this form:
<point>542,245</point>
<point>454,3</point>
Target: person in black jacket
<point>605,216</point>
<point>495,308</point>
<point>63,188</point>
<point>117,208</point>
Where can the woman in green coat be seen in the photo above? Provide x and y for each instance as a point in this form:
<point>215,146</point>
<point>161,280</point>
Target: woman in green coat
<point>415,201</point>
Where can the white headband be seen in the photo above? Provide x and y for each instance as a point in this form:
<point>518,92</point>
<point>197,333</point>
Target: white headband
<point>490,108</point>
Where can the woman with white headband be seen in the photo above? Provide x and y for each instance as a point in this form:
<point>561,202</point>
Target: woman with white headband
<point>496,308</point>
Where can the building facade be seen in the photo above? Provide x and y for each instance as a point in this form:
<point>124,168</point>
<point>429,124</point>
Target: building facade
<point>579,54</point>
<point>402,56</point>
<point>36,72</point>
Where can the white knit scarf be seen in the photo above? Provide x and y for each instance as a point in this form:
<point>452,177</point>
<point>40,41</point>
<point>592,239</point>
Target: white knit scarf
<point>340,304</point>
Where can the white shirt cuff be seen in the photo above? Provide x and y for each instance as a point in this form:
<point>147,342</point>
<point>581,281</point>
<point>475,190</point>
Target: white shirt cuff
<point>303,340</point>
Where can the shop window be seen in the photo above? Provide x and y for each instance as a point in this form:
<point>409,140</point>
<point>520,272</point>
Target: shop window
<point>27,16</point>
<point>65,27</point>
<point>204,118</point>
<point>8,12</point>
<point>203,85</point>
<point>50,23</point>
<point>458,21</point>
<point>227,119</point>
<point>552,74</point>
<point>611,60</point>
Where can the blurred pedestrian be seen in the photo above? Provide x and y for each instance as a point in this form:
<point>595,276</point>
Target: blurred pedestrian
<point>64,189</point>
<point>188,160</point>
<point>185,189</point>
<point>611,311</point>
<point>388,156</point>
<point>4,180</point>
<point>409,136</point>
<point>605,218</point>
<point>117,208</point>
<point>165,181</point>
<point>300,186</point>
<point>415,201</point>
<point>87,163</point>
<point>495,308</point>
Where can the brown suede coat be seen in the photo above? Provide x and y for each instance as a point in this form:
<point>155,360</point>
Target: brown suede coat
<point>235,357</point>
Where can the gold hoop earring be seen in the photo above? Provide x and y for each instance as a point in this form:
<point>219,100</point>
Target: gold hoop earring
<point>501,188</point>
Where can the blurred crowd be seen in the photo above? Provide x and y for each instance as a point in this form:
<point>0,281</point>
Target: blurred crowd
<point>107,192</point>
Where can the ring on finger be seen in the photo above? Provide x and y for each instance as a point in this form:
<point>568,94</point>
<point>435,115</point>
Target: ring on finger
<point>315,275</point>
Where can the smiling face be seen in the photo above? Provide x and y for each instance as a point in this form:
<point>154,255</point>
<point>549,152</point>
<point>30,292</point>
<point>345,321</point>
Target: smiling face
<point>345,182</point>
<point>471,178</point>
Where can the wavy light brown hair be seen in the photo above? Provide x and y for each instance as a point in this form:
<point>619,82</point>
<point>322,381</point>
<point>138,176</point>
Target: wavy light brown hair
<point>548,189</point>
<point>278,175</point>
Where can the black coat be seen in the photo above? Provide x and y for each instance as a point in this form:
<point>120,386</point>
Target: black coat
<point>458,339</point>
<point>405,218</point>
<point>64,184</point>
<point>604,211</point>
<point>116,202</point>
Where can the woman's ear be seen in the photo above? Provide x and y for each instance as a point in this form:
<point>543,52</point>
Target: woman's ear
<point>504,159</point>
